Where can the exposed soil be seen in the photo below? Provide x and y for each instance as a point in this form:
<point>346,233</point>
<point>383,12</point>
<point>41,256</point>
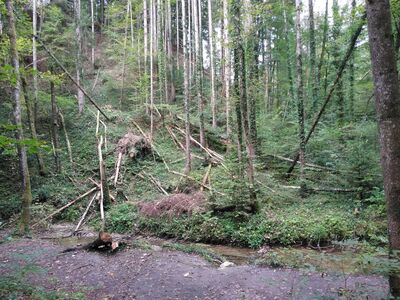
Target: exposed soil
<point>164,274</point>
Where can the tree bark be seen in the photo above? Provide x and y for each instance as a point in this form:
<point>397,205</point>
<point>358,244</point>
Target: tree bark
<point>23,161</point>
<point>145,45</point>
<point>300,92</point>
<point>351,70</point>
<point>188,162</point>
<point>199,67</point>
<point>211,51</point>
<point>227,67</point>
<point>54,128</point>
<point>288,52</point>
<point>92,27</point>
<point>323,47</point>
<point>313,55</point>
<point>34,62</point>
<point>151,70</point>
<point>78,36</point>
<point>336,30</point>
<point>387,99</point>
<point>241,96</point>
<point>124,57</point>
<point>32,125</point>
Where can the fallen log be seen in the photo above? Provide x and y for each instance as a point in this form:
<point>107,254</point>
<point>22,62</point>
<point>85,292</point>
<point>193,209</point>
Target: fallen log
<point>330,190</point>
<point>65,206</point>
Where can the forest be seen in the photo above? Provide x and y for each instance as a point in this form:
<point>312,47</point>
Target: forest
<point>149,148</point>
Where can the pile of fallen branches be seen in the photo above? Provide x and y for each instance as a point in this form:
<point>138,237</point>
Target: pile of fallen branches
<point>174,205</point>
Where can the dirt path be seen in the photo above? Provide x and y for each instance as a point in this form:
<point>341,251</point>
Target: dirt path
<point>163,274</point>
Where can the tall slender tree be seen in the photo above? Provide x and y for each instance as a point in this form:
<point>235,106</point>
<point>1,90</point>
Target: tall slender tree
<point>300,92</point>
<point>313,55</point>
<point>240,94</point>
<point>351,69</point>
<point>387,99</point>
<point>212,73</point>
<point>288,51</point>
<point>78,36</point>
<point>145,46</point>
<point>34,60</point>
<point>54,128</point>
<point>152,33</point>
<point>336,55</point>
<point>188,163</point>
<point>226,62</point>
<point>323,48</point>
<point>23,160</point>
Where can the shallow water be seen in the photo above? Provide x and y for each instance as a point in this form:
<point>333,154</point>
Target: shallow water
<point>339,262</point>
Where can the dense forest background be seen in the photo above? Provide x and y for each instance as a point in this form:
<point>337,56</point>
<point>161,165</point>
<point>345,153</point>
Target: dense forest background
<point>238,122</point>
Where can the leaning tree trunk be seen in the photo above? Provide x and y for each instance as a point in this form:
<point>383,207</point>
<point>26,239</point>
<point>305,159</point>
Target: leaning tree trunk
<point>23,161</point>
<point>387,98</point>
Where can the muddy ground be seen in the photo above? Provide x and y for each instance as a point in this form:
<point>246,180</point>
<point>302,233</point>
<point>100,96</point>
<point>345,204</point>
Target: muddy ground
<point>158,273</point>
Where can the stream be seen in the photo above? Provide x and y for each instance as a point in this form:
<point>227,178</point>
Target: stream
<point>329,260</point>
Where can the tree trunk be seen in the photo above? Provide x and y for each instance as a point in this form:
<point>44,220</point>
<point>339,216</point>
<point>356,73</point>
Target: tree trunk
<point>151,69</point>
<point>188,163</point>
<point>323,47</point>
<point>333,87</point>
<point>177,34</point>
<point>32,125</point>
<point>336,28</point>
<point>211,51</point>
<point>34,62</point>
<point>78,36</point>
<point>124,57</point>
<point>54,128</point>
<point>145,43</point>
<point>227,67</point>
<point>313,73</point>
<point>387,97</point>
<point>300,92</point>
<point>351,70</point>
<point>288,52</point>
<point>251,70</point>
<point>23,161</point>
<point>199,67</point>
<point>241,102</point>
<point>92,27</point>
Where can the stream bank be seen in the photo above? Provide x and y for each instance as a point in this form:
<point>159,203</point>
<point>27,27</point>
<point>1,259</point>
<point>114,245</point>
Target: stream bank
<point>146,270</point>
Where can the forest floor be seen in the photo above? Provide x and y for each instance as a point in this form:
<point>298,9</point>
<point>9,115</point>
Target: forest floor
<point>36,268</point>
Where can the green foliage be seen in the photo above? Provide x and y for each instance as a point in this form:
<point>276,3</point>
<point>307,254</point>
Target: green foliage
<point>121,217</point>
<point>16,288</point>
